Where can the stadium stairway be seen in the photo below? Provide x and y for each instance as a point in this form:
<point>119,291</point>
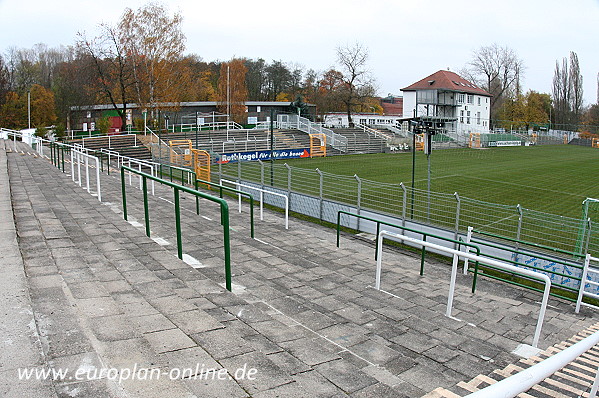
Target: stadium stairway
<point>574,380</point>
<point>126,145</point>
<point>359,141</point>
<point>303,313</point>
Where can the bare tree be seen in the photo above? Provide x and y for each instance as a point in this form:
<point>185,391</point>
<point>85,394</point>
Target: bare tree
<point>576,100</point>
<point>357,82</point>
<point>567,91</point>
<point>498,70</point>
<point>114,75</point>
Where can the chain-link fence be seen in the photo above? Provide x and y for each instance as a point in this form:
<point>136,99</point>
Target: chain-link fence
<point>449,212</point>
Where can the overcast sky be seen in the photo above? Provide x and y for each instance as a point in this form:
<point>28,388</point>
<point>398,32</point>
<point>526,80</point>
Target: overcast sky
<point>407,40</point>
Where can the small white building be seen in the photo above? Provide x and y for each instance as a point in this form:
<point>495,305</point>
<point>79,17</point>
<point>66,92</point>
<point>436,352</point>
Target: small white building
<point>340,120</point>
<point>446,95</point>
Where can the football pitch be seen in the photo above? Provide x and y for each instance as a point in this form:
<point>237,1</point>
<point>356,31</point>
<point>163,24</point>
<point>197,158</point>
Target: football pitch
<point>552,179</point>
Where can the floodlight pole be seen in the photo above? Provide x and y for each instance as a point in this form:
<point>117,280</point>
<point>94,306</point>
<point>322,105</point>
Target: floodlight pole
<point>429,144</point>
<point>413,163</point>
<point>272,158</point>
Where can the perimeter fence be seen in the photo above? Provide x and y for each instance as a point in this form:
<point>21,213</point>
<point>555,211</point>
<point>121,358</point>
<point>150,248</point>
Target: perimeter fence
<point>320,194</point>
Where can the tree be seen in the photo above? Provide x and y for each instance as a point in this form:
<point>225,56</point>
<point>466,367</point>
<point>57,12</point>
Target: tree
<point>567,92</point>
<point>357,84</point>
<point>153,41</point>
<point>525,111</point>
<point>498,70</point>
<point>114,76</point>
<point>13,114</point>
<point>591,119</point>
<point>232,92</point>
<point>43,110</point>
<point>576,101</point>
<point>278,79</point>
<point>255,79</point>
<point>4,81</point>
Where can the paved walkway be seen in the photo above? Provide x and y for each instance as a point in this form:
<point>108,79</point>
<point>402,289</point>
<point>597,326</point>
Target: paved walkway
<point>304,314</point>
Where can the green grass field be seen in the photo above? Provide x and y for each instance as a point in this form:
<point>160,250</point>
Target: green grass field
<point>553,179</point>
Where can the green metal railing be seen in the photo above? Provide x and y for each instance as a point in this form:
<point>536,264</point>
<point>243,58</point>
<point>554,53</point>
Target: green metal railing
<point>57,151</point>
<point>191,176</point>
<point>517,251</point>
<point>224,212</point>
<point>536,245</point>
<point>222,188</point>
<point>403,228</point>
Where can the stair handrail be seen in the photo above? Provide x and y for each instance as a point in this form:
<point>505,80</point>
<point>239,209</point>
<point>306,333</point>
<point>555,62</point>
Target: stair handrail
<point>371,131</point>
<point>337,141</point>
<point>526,379</point>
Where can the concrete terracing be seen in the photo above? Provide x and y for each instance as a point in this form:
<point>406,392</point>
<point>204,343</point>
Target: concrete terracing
<point>87,290</point>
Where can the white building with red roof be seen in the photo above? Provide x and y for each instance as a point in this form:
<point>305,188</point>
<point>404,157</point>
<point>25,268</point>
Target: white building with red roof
<point>446,96</point>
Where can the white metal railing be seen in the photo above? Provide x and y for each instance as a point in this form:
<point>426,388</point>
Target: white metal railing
<point>77,156</point>
<point>526,379</point>
<point>371,131</point>
<point>262,192</point>
<point>336,141</point>
<point>584,281</point>
<point>454,269</point>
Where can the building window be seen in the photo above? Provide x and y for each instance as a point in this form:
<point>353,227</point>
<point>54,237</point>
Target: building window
<point>477,117</point>
<point>258,109</point>
<point>478,100</point>
<point>461,116</point>
<point>461,98</point>
<point>470,99</point>
<point>468,117</point>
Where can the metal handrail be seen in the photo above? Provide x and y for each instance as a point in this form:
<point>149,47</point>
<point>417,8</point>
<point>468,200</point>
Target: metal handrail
<point>262,192</point>
<point>526,379</point>
<point>221,188</point>
<point>77,155</point>
<point>224,209</point>
<point>403,228</point>
<point>537,245</point>
<point>516,251</point>
<point>582,292</point>
<point>454,269</point>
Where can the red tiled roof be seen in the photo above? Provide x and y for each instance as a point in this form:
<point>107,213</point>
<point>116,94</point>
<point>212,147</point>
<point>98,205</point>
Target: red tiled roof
<point>446,80</point>
<point>393,109</point>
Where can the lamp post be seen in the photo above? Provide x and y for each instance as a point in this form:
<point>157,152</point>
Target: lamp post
<point>272,158</point>
<point>197,127</point>
<point>29,109</point>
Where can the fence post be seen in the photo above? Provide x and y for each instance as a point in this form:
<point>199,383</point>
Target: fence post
<point>588,240</point>
<point>178,225</point>
<point>261,173</point>
<point>457,219</point>
<point>146,208</point>
<point>468,239</point>
<point>320,189</point>
<point>518,232</point>
<point>583,282</point>
<point>359,199</point>
<point>239,169</point>
<point>124,194</point>
<point>403,207</point>
<point>288,180</point>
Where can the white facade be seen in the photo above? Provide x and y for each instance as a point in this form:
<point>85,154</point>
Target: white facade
<point>472,111</point>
